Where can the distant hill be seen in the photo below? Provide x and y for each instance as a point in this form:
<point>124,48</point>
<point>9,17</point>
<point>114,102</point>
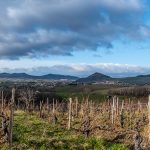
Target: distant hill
<point>99,77</point>
<point>58,77</point>
<point>138,80</point>
<point>143,76</point>
<point>16,75</point>
<point>96,77</point>
<point>44,77</point>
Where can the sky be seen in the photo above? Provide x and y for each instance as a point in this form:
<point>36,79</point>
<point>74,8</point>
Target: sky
<point>75,37</point>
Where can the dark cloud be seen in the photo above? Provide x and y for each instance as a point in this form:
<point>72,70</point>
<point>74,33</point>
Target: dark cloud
<point>35,28</point>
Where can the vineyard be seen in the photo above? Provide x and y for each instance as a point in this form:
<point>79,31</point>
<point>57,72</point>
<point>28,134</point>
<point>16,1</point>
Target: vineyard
<point>113,124</point>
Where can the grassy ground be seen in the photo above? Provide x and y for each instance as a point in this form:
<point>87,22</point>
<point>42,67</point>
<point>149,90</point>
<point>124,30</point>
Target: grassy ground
<point>95,92</point>
<point>32,133</point>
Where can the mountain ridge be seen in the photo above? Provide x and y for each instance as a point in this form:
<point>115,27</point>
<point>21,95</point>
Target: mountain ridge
<point>46,77</point>
<point>99,77</point>
<point>93,78</point>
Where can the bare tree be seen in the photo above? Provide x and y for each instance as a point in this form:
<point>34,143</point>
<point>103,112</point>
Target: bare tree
<point>27,96</point>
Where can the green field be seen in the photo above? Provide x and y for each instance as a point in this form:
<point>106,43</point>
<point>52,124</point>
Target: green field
<point>95,92</point>
<point>32,133</point>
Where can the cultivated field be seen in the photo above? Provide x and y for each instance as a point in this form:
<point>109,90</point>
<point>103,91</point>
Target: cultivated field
<point>73,123</point>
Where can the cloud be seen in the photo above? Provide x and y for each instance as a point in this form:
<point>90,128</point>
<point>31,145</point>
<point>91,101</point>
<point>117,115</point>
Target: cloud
<point>38,28</point>
<point>81,70</point>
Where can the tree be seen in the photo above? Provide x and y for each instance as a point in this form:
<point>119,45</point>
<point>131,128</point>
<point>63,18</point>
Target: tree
<point>27,96</point>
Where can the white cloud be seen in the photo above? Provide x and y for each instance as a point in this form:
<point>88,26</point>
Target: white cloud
<point>117,70</point>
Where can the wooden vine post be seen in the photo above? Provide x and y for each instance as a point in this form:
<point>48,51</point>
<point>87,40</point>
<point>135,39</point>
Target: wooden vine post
<point>11,118</point>
<point>76,99</point>
<point>69,113</point>
<point>2,111</point>
<point>47,105</point>
<point>113,108</point>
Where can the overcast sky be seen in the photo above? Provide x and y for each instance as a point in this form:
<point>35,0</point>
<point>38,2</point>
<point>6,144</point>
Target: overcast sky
<point>75,37</point>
